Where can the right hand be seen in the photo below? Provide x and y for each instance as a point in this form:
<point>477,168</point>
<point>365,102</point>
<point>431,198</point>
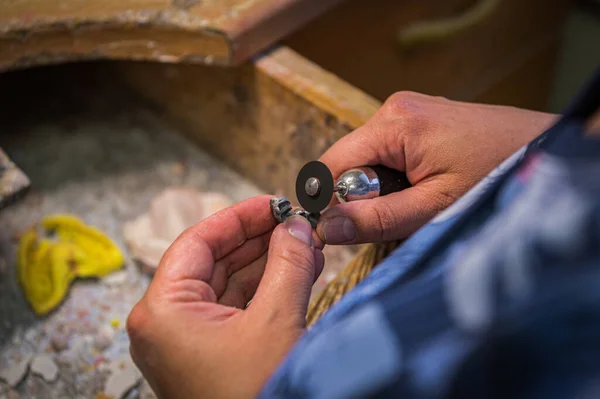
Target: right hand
<point>443,146</point>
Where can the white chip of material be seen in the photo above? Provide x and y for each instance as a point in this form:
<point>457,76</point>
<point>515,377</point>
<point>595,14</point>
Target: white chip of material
<point>31,334</point>
<point>116,278</point>
<point>44,366</point>
<point>124,375</point>
<point>171,212</point>
<point>15,373</point>
<point>104,338</point>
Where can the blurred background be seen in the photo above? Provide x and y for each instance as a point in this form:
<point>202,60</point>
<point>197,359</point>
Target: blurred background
<point>532,54</point>
<point>579,54</point>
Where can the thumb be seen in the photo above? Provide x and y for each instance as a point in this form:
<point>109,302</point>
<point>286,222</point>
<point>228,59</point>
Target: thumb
<point>388,218</point>
<point>292,267</point>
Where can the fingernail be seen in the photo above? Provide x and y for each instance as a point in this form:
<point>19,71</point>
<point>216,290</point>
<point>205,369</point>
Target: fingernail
<point>300,228</point>
<point>339,230</point>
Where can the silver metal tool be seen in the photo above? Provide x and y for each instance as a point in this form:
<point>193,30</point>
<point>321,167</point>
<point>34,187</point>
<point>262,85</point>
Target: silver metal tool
<point>315,188</point>
<point>368,182</point>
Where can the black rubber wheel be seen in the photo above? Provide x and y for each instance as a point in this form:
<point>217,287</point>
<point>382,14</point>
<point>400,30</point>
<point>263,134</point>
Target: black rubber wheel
<point>320,201</point>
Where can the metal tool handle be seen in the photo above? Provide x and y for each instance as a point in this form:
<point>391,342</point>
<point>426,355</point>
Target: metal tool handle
<point>368,182</point>
<point>390,180</point>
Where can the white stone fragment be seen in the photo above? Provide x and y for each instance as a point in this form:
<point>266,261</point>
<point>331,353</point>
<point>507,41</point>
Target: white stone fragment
<point>171,212</point>
<point>104,338</point>
<point>116,278</point>
<point>31,334</point>
<point>14,373</point>
<point>44,366</point>
<point>124,375</point>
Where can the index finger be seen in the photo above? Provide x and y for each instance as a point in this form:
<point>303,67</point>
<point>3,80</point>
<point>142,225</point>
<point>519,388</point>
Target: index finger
<point>195,251</point>
<point>374,143</point>
<point>352,150</point>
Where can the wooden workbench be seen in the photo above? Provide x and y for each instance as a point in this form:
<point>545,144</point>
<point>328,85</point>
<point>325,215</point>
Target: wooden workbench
<point>222,32</point>
<point>286,104</point>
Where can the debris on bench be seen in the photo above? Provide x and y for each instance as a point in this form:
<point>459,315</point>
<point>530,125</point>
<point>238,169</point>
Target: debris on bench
<point>44,366</point>
<point>13,182</point>
<point>15,373</point>
<point>171,212</point>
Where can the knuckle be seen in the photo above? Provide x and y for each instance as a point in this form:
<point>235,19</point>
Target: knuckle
<point>443,199</point>
<point>299,258</point>
<point>137,321</point>
<point>385,222</point>
<point>400,102</point>
<point>409,112</point>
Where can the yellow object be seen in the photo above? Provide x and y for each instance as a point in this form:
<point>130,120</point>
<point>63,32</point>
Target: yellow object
<point>47,266</point>
<point>114,323</point>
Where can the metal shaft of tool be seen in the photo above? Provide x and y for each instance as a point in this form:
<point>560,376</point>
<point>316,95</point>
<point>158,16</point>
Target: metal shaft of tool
<point>315,184</point>
<point>313,187</point>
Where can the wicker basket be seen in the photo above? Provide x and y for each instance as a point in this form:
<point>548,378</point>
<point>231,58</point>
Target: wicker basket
<point>368,257</point>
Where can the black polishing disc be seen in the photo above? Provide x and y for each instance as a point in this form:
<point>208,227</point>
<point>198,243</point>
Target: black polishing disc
<point>318,202</point>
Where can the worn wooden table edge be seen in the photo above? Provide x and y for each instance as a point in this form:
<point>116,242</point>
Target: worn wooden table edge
<point>204,34</point>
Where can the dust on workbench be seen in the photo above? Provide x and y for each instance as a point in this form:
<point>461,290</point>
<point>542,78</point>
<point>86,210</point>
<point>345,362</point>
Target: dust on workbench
<point>96,152</point>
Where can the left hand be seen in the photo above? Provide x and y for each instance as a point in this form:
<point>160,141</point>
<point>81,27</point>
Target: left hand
<point>190,334</point>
